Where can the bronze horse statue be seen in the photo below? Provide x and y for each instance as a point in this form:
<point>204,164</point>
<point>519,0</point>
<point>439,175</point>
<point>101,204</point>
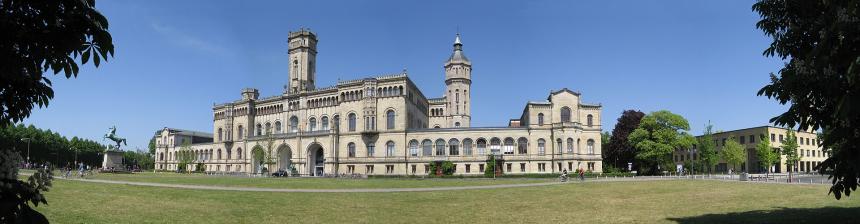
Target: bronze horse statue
<point>112,136</point>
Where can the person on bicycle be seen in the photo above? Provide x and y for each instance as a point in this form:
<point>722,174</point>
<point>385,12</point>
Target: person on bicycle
<point>564,175</point>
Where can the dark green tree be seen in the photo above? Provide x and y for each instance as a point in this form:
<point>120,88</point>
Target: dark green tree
<point>766,154</point>
<point>37,37</point>
<point>659,134</point>
<point>820,40</point>
<point>151,145</point>
<point>619,152</point>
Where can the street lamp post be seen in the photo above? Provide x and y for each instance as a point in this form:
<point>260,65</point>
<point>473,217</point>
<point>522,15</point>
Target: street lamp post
<point>76,155</point>
<point>28,148</point>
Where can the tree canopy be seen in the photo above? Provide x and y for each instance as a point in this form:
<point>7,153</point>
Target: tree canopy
<point>820,40</point>
<point>707,149</point>
<point>39,36</point>
<point>789,149</point>
<point>733,153</point>
<point>618,151</point>
<point>766,155</point>
<point>659,134</point>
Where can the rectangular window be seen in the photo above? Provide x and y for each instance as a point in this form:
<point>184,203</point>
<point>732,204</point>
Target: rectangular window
<point>413,169</point>
<point>724,141</point>
<point>509,167</point>
<point>569,166</point>
<point>522,167</point>
<point>481,168</point>
<point>742,139</point>
<point>752,138</point>
<point>389,169</point>
<point>350,169</point>
<point>426,169</point>
<point>369,169</point>
<point>590,166</point>
<point>468,168</point>
<point>772,137</point>
<point>780,138</point>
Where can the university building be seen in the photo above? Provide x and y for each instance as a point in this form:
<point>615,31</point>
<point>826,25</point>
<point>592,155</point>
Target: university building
<point>384,125</point>
<point>809,148</point>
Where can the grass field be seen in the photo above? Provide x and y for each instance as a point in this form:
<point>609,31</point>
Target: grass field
<point>682,201</point>
<point>304,183</point>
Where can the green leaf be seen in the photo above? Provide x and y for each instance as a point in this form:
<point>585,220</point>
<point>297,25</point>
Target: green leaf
<point>85,56</point>
<point>96,59</point>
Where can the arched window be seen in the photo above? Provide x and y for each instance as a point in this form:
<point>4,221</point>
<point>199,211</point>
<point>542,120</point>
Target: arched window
<point>540,119</point>
<point>278,127</point>
<point>541,147</point>
<point>495,146</point>
<point>522,145</point>
<point>371,149</point>
<point>218,156</point>
<point>590,146</point>
<point>389,149</point>
<point>324,121</point>
<point>294,124</point>
<point>590,120</point>
<point>569,145</point>
<point>351,122</point>
<point>229,154</point>
<point>509,146</point>
<point>389,119</point>
<point>350,150</point>
<point>482,146</point>
<point>312,124</point>
<point>558,144</point>
<point>239,153</point>
<point>336,122</point>
<point>220,133</point>
<point>453,147</point>
<point>437,126</point>
<point>413,147</point>
<point>565,114</point>
<point>268,128</point>
<point>440,147</point>
<point>259,129</point>
<point>241,132</point>
<point>467,147</point>
<point>427,146</point>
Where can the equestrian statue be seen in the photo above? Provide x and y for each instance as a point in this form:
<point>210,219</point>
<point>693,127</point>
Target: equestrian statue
<point>116,139</point>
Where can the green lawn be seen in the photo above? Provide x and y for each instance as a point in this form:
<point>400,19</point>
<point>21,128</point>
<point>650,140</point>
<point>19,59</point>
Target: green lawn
<point>305,183</point>
<point>684,201</point>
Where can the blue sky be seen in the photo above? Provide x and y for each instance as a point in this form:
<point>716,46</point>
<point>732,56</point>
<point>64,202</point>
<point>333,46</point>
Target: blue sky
<point>174,59</point>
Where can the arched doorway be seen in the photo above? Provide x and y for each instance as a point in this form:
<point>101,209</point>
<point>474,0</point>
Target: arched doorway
<point>285,154</point>
<point>258,157</point>
<point>316,160</point>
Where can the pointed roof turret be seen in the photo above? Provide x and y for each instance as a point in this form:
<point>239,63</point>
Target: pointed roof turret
<point>458,56</point>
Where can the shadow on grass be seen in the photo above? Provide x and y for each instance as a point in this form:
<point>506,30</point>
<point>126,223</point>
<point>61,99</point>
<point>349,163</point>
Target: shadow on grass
<point>780,215</point>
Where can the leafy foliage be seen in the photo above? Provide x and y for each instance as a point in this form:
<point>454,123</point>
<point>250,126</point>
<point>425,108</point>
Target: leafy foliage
<point>45,35</point>
<point>447,168</point>
<point>618,151</point>
<point>789,149</point>
<point>733,153</point>
<point>707,149</point>
<point>490,170</point>
<point>49,146</point>
<point>766,154</point>
<point>820,39</point>
<point>659,134</point>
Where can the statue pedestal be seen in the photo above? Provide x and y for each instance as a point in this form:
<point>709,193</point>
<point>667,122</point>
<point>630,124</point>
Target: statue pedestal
<point>113,161</point>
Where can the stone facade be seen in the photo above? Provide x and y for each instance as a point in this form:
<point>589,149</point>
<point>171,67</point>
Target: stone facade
<point>385,126</point>
<point>809,148</point>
